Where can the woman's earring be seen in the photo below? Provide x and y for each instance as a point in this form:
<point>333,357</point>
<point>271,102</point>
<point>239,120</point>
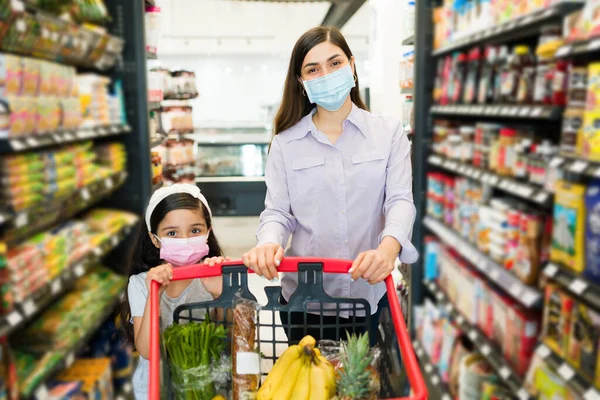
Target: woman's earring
<point>355,79</point>
<point>303,92</point>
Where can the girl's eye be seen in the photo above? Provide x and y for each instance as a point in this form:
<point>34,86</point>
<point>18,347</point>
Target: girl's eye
<point>196,231</point>
<point>171,233</point>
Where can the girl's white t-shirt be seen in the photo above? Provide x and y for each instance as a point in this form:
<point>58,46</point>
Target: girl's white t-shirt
<point>138,295</point>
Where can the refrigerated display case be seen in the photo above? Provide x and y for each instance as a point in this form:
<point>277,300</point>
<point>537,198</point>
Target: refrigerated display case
<point>230,168</point>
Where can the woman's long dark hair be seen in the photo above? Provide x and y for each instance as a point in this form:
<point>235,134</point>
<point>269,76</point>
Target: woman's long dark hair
<point>295,104</point>
<point>146,256</point>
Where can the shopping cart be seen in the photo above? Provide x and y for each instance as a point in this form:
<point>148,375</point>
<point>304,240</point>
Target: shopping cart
<point>309,296</point>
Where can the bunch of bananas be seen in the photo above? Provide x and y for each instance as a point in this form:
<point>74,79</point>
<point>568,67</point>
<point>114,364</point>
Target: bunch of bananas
<point>301,373</point>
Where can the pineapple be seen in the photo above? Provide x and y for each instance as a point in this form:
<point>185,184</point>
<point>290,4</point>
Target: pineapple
<point>354,376</point>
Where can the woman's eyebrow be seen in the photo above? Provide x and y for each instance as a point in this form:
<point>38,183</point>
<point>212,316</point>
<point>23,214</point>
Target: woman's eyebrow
<point>169,228</point>
<point>199,224</point>
<point>329,59</point>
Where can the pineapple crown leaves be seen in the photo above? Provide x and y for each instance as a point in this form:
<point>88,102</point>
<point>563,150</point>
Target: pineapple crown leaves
<point>355,377</point>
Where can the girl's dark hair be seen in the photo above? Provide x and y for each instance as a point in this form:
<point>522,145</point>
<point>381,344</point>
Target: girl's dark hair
<point>146,256</point>
<point>295,104</point>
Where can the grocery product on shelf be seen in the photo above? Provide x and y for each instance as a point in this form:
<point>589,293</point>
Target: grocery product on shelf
<point>153,17</point>
<point>94,376</point>
<point>569,226</point>
<point>177,85</point>
<point>42,97</point>
<point>46,36</point>
<point>31,179</point>
<point>176,119</point>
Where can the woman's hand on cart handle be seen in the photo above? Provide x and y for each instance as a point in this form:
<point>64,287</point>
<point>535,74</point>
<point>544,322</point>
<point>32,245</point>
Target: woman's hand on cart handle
<point>264,260</point>
<point>373,266</point>
<point>162,274</point>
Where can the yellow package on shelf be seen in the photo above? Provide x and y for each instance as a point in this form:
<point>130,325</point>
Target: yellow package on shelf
<point>569,226</point>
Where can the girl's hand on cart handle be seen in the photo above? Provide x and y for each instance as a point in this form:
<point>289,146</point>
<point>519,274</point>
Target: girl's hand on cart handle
<point>264,260</point>
<point>372,265</point>
<point>214,285</point>
<point>211,261</point>
<point>162,274</point>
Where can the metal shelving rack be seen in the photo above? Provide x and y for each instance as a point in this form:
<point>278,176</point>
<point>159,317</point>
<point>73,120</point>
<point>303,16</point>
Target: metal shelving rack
<point>128,190</point>
<point>524,28</point>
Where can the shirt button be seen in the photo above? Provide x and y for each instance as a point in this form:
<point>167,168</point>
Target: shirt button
<point>341,182</point>
<point>345,242</point>
<point>342,213</point>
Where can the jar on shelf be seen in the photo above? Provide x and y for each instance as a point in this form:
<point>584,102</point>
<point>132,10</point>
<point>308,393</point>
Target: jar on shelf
<point>467,133</point>
<point>506,151</point>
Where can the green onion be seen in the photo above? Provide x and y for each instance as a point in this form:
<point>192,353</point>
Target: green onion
<point>192,350</point>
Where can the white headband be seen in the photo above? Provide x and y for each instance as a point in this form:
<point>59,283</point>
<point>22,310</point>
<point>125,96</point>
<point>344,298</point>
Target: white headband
<point>166,191</point>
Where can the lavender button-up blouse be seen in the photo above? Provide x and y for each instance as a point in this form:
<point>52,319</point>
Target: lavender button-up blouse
<point>340,200</point>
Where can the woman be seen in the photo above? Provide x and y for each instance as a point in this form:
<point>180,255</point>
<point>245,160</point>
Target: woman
<point>338,177</point>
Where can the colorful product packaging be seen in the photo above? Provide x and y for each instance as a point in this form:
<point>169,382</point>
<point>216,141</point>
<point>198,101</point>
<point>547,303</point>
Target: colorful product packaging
<point>592,232</point>
<point>558,311</point>
<point>584,340</point>
<point>569,226</point>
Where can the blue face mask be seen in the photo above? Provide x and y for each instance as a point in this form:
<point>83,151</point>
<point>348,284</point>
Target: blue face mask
<point>330,91</point>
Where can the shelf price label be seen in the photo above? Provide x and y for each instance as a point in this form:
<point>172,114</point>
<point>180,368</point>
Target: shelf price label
<point>14,318</point>
<point>578,286</point>
<point>578,166</point>
<point>21,220</point>
<point>591,394</point>
<point>435,380</point>
<point>79,270</point>
<point>473,334</point>
<point>29,308</point>
<point>566,372</point>
<point>523,394</point>
<point>486,350</point>
<point>42,392</point>
<point>551,270</point>
<point>17,145</point>
<point>505,372</point>
<point>56,287</point>
<point>70,359</point>
<point>543,351</point>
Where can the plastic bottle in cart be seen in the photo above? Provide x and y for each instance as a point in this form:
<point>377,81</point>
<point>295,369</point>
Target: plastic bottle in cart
<point>485,92</point>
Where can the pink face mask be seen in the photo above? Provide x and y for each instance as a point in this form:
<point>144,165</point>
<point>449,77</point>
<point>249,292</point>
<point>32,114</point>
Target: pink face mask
<point>181,252</point>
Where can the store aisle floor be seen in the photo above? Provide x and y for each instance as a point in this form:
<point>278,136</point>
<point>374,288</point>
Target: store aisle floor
<point>236,236</point>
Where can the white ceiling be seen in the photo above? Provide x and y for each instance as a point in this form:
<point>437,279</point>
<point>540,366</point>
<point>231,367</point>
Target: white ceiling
<point>229,26</point>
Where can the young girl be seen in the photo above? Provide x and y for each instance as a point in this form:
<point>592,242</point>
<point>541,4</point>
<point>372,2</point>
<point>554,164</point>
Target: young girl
<point>179,233</point>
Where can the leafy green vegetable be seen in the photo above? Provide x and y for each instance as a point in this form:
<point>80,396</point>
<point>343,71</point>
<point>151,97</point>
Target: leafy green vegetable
<point>192,350</point>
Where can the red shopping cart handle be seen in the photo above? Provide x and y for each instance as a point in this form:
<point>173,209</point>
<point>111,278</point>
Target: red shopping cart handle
<point>288,264</point>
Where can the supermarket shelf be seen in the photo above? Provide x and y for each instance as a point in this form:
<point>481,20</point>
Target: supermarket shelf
<point>524,190</point>
<point>41,391</point>
<point>583,48</point>
<point>60,138</point>
<point>182,97</point>
<point>577,285</point>
<point>492,354</point>
<point>577,166</point>
<point>583,386</point>
<point>33,220</point>
<point>154,105</point>
<point>526,295</point>
<point>151,56</point>
<point>59,285</point>
<point>230,138</point>
<point>409,41</point>
<point>213,179</point>
<point>502,111</point>
<point>157,141</point>
<point>515,29</point>
<point>437,388</point>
